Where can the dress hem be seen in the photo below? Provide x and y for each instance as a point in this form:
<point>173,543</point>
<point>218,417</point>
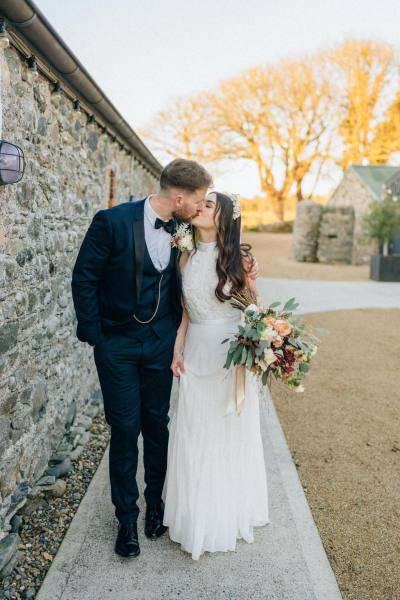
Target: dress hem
<point>212,551</point>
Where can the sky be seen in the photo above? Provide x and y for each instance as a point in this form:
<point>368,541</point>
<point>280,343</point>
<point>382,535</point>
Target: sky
<point>145,53</point>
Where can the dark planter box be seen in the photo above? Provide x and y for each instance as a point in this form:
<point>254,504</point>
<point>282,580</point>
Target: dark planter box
<point>385,268</point>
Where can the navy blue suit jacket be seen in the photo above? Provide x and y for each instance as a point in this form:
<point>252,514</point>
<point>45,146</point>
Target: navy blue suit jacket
<point>108,272</point>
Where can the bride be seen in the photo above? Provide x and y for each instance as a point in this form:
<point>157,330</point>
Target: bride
<point>215,490</point>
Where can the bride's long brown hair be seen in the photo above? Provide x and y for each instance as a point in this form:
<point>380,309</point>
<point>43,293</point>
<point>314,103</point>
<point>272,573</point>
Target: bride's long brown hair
<point>231,252</point>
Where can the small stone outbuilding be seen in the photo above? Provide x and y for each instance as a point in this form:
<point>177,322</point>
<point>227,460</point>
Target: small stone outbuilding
<point>359,188</point>
<point>334,232</point>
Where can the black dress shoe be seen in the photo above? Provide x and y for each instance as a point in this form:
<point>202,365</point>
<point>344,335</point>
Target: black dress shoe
<point>127,543</point>
<point>153,526</point>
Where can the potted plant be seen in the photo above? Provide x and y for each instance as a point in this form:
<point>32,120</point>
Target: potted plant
<point>382,223</point>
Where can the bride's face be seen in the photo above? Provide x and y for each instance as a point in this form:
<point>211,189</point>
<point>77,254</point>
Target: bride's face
<point>206,218</point>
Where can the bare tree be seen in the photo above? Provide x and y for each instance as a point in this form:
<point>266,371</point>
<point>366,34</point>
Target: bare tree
<point>292,120</point>
<point>386,137</point>
<point>364,74</point>
<point>277,117</point>
<point>179,130</point>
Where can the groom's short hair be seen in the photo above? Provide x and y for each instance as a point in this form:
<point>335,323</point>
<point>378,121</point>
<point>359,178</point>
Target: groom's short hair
<point>185,174</point>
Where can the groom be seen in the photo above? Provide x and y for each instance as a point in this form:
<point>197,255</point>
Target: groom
<point>127,297</point>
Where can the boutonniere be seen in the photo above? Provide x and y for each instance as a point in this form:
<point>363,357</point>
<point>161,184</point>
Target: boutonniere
<point>182,238</point>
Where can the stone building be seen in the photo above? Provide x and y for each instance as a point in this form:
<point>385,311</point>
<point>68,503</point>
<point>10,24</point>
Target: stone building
<point>81,156</point>
<point>323,233</point>
<point>360,186</point>
<point>334,233</point>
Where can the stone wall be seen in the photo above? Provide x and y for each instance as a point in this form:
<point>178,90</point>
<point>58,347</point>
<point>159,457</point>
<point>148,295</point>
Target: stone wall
<point>48,378</point>
<point>335,236</point>
<point>323,233</point>
<point>352,192</point>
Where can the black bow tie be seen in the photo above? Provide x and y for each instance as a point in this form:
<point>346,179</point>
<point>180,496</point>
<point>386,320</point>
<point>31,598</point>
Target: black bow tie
<point>167,225</point>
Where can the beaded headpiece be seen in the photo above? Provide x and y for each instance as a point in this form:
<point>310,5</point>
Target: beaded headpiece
<point>236,204</point>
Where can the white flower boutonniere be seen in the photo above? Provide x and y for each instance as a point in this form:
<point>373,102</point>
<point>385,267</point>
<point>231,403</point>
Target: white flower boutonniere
<point>183,238</point>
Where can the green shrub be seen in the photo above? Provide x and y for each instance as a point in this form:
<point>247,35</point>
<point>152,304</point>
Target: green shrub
<point>382,222</point>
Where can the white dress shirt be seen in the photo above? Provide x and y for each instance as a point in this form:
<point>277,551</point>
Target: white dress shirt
<point>158,241</point>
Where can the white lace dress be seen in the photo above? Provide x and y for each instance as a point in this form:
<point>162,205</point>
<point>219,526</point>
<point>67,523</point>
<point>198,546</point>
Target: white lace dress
<point>215,490</point>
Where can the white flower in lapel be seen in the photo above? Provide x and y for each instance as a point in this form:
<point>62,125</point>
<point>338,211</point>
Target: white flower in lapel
<point>182,238</point>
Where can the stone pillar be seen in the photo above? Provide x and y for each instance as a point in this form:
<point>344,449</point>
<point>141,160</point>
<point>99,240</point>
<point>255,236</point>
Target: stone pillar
<point>305,231</point>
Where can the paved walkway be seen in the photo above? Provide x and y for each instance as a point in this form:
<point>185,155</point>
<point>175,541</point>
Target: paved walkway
<point>322,296</point>
<point>287,560</point>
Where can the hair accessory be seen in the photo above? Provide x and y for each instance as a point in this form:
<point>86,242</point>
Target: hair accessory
<point>236,204</point>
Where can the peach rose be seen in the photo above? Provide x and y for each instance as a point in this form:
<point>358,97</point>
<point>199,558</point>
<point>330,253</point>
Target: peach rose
<point>269,321</point>
<point>282,327</point>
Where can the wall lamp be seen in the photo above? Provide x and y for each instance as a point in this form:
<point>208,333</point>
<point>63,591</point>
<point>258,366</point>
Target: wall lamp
<point>12,163</point>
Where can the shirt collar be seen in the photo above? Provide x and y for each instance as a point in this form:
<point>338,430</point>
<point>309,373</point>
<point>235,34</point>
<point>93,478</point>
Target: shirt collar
<point>150,212</point>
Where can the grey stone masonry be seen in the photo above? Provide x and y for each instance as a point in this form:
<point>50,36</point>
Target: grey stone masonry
<point>335,240</point>
<point>306,230</point>
<point>47,377</point>
<point>354,193</point>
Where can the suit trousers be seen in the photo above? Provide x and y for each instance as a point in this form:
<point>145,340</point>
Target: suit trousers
<point>135,379</point>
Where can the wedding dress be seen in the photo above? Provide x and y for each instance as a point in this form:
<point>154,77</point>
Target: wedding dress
<point>215,490</point>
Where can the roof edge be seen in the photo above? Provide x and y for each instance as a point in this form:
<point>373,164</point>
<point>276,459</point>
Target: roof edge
<point>28,23</point>
<point>354,169</point>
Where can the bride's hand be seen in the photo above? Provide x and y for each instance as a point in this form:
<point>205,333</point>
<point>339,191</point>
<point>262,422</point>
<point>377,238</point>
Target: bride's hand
<point>178,366</point>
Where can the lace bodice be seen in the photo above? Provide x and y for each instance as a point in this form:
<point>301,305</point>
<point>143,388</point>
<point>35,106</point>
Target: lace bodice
<point>199,280</point>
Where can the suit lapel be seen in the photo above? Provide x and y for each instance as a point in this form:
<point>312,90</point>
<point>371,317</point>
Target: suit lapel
<point>139,243</point>
<point>140,246</point>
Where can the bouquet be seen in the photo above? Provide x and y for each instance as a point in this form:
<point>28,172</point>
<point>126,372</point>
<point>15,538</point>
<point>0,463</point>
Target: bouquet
<point>271,342</point>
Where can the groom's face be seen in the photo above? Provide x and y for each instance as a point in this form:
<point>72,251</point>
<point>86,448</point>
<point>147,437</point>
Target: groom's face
<point>189,204</point>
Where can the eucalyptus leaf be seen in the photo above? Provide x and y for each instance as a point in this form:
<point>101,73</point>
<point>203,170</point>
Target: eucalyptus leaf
<point>228,361</point>
<point>261,327</point>
<point>244,355</point>
<point>274,304</point>
<point>263,344</point>
<point>249,360</point>
<point>238,354</point>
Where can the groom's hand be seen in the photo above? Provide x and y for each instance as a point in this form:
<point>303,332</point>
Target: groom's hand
<point>251,267</point>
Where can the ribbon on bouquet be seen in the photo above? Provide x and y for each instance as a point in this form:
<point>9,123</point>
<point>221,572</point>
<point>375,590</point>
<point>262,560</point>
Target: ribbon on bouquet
<point>236,399</point>
<point>240,388</point>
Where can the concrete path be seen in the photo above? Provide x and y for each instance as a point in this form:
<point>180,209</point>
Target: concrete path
<point>322,296</point>
<point>287,560</point>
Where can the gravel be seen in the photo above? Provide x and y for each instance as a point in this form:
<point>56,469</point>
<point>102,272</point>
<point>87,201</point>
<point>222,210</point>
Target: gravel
<point>343,433</point>
<point>44,520</point>
<point>274,254</point>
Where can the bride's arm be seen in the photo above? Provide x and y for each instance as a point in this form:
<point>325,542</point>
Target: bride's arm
<point>177,365</point>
